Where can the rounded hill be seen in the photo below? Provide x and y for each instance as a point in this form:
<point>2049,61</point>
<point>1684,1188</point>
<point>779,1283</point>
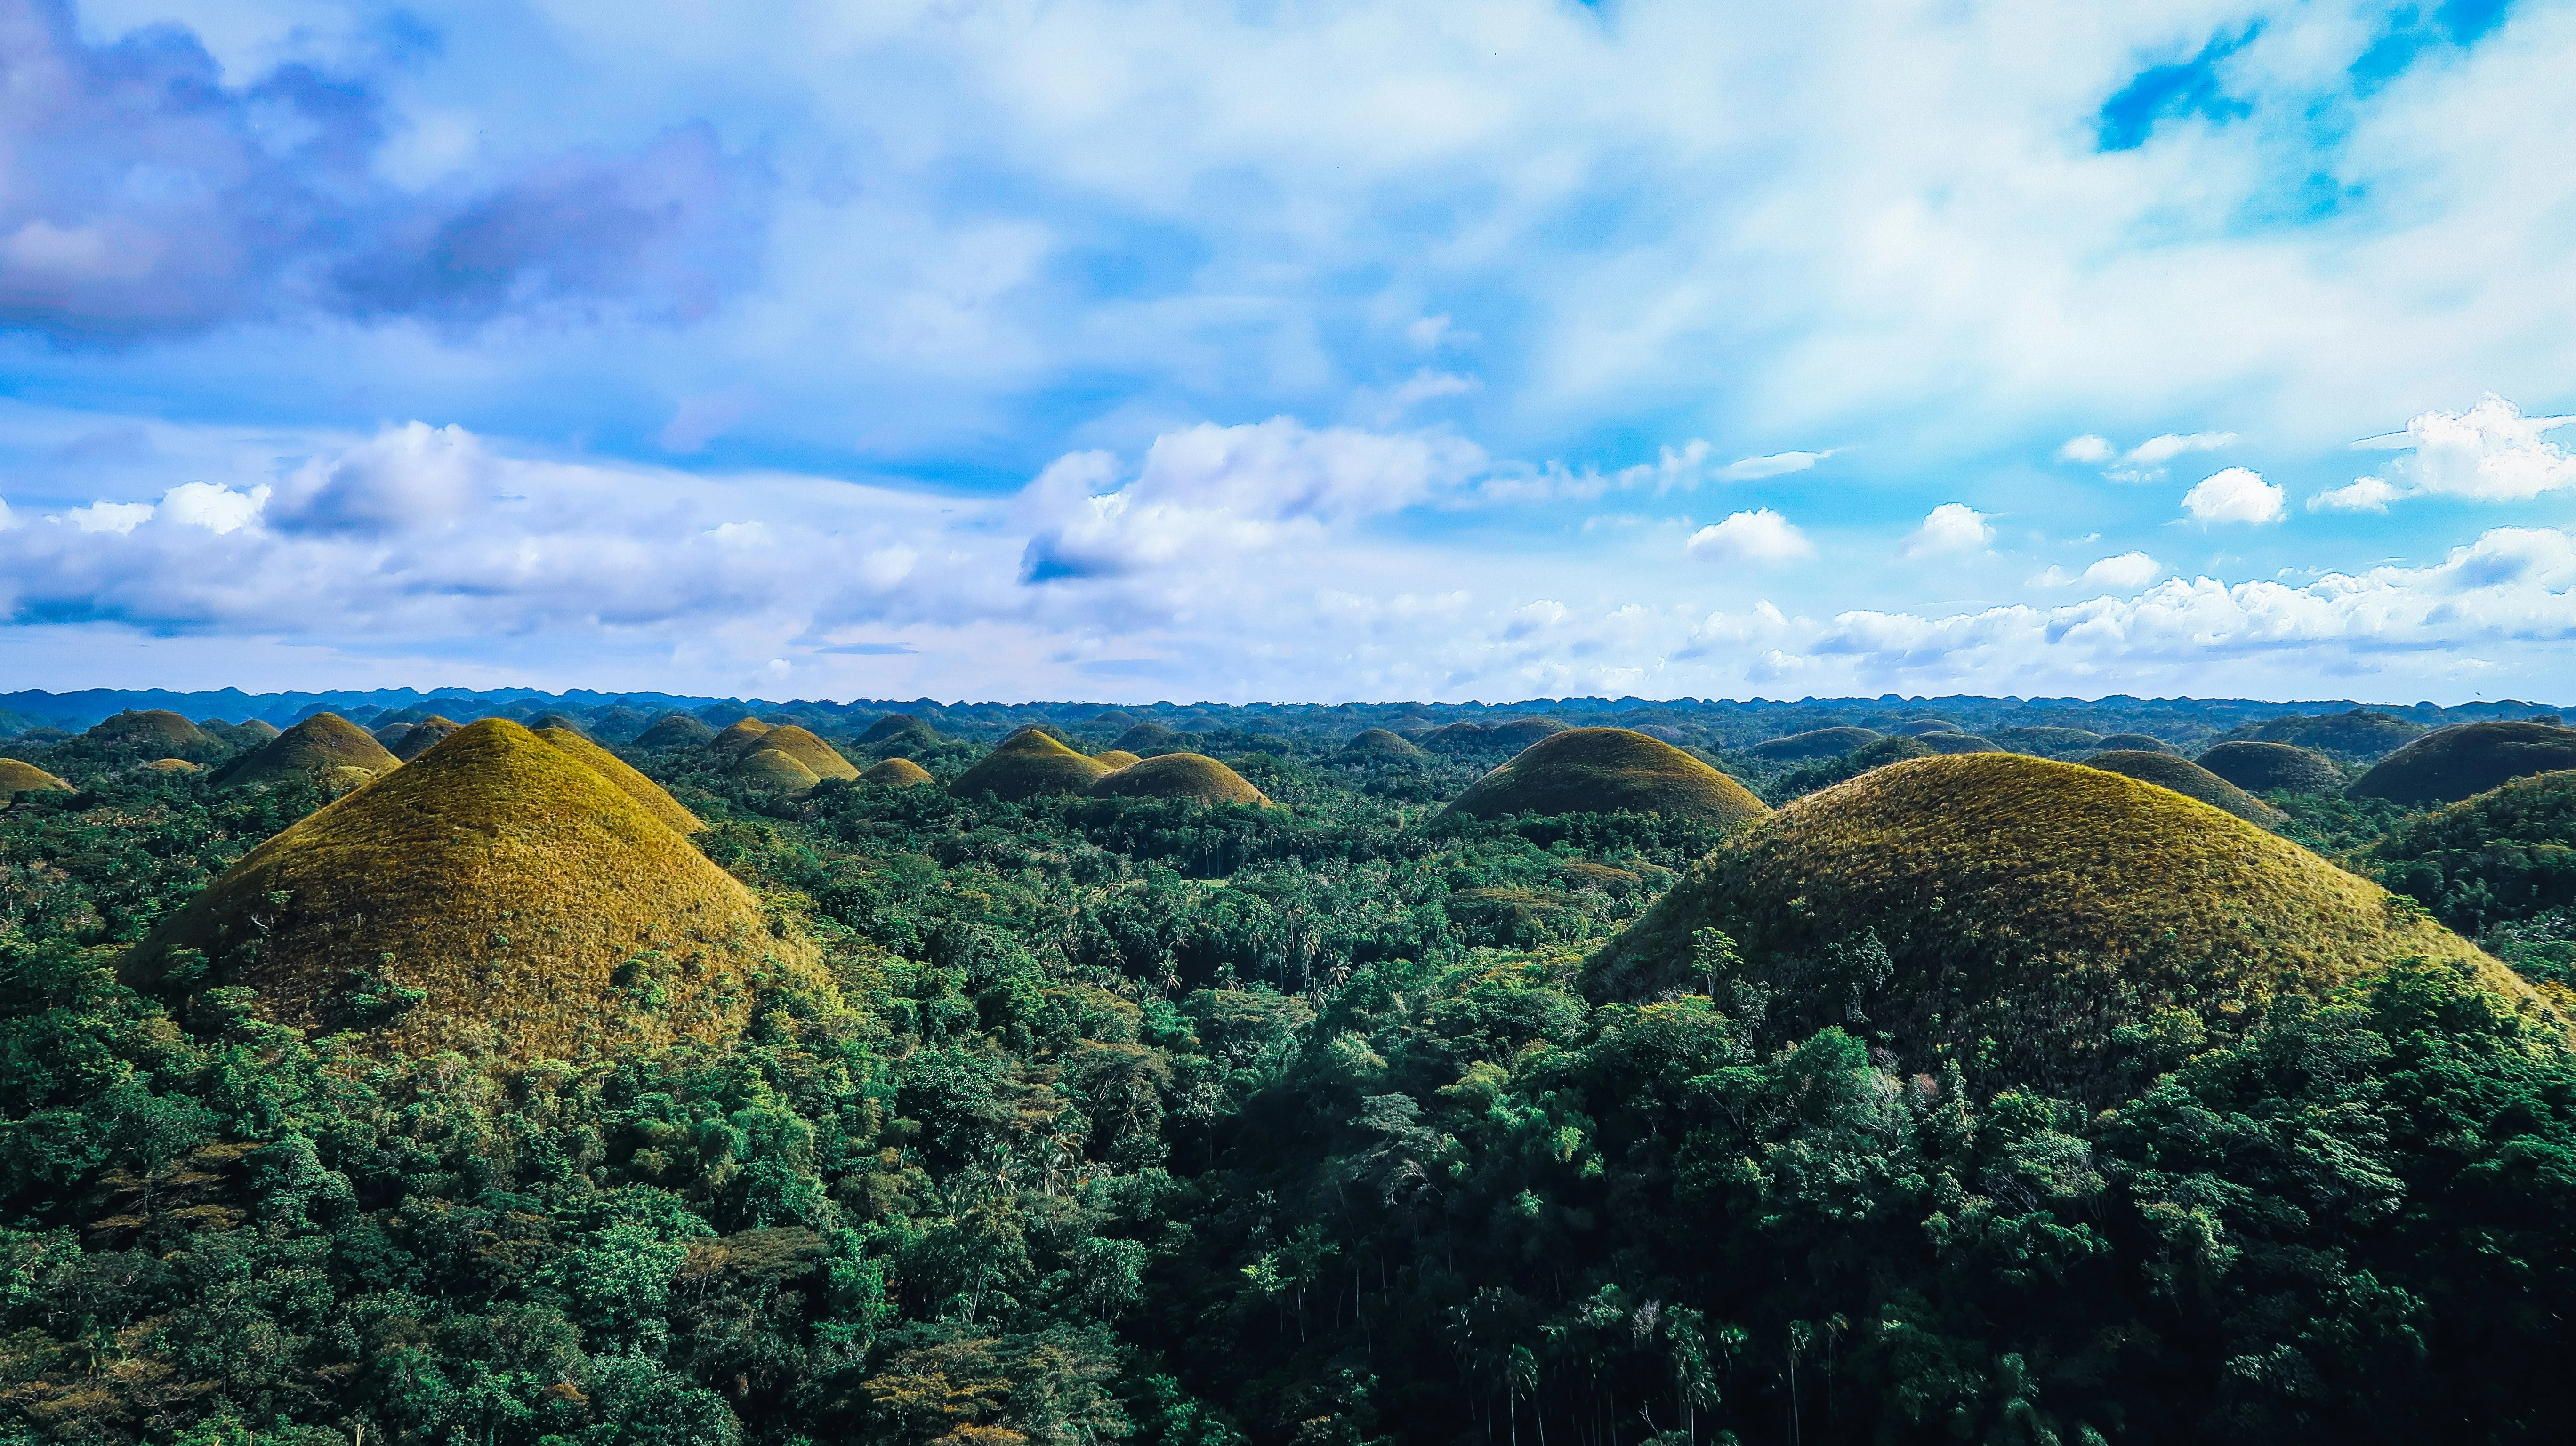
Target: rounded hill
<point>738,738</point>
<point>1917,727</point>
<point>2450,764</point>
<point>2134,743</point>
<point>2166,770</point>
<point>897,727</point>
<point>1116,758</point>
<point>2506,854</point>
<point>422,736</point>
<point>1179,775</point>
<point>2045,741</point>
<point>535,907</point>
<point>1954,741</point>
<point>675,730</point>
<point>819,757</point>
<point>2267,767</point>
<point>153,728</point>
<point>172,765</point>
<point>1028,764</point>
<point>1607,770</point>
<point>1522,732</point>
<point>1144,736</point>
<point>2020,912</point>
<point>1456,738</point>
<point>769,768</point>
<point>1814,743</point>
<point>2362,733</point>
<point>896,773</point>
<point>316,749</point>
<point>656,801</point>
<point>17,777</point>
<point>1379,743</point>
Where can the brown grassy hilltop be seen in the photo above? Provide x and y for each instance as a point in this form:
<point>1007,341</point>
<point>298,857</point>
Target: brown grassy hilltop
<point>2450,764</point>
<point>896,773</point>
<point>769,768</point>
<point>819,757</point>
<point>538,908</point>
<point>675,730</point>
<point>1379,743</point>
<point>2166,770</point>
<point>1814,743</point>
<point>1606,770</point>
<point>1116,758</point>
<point>2136,743</point>
<point>739,737</point>
<point>172,765</point>
<point>422,736</point>
<point>2030,912</point>
<point>1180,775</point>
<point>616,770</point>
<point>154,727</point>
<point>2264,767</point>
<point>17,777</point>
<point>1026,765</point>
<point>897,726</point>
<point>312,749</point>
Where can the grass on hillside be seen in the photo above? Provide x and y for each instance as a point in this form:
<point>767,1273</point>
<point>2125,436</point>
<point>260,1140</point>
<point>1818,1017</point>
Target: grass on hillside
<point>2273,767</point>
<point>2467,759</point>
<point>1180,775</point>
<point>2506,855</point>
<point>2040,921</point>
<point>2167,770</point>
<point>656,800</point>
<point>310,749</point>
<point>1029,764</point>
<point>896,773</point>
<point>1607,770</point>
<point>17,777</point>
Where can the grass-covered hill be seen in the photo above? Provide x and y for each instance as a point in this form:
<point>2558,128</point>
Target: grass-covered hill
<point>896,773</point>
<point>325,746</point>
<point>2273,767</point>
<point>1380,743</point>
<point>2361,734</point>
<point>2133,743</point>
<point>1029,764</point>
<point>1607,770</point>
<point>496,894</point>
<point>1115,758</point>
<point>1145,738</point>
<point>2166,770</point>
<point>739,737</point>
<point>2470,758</point>
<point>2503,855</point>
<point>675,730</point>
<point>418,738</point>
<point>2028,919</point>
<point>1815,743</point>
<point>895,728</point>
<point>655,799</point>
<point>1191,776</point>
<point>154,728</point>
<point>18,776</point>
<point>818,757</point>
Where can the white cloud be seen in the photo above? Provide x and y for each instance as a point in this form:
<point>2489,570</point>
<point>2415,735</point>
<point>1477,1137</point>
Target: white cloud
<point>117,517</point>
<point>1761,537</point>
<point>412,478</point>
<point>2235,495</point>
<point>2125,573</point>
<point>1950,527</point>
<point>2088,449</point>
<point>1534,618</point>
<point>2489,453</point>
<point>1752,469</point>
<point>1425,385</point>
<point>2156,451</point>
<point>211,506</point>
<point>2364,494</point>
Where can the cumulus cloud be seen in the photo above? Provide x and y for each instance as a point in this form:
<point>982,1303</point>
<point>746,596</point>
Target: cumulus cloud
<point>1950,527</point>
<point>212,506</point>
<point>1778,464</point>
<point>2235,495</point>
<point>2489,453</point>
<point>1760,537</point>
<point>2127,572</point>
<point>413,478</point>
<point>2088,449</point>
<point>2156,451</point>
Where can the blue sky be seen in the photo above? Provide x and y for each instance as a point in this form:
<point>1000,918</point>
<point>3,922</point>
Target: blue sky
<point>1314,350</point>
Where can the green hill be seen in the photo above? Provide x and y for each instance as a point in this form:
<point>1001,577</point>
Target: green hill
<point>154,728</point>
<point>738,738</point>
<point>2503,855</point>
<point>2021,914</point>
<point>1607,770</point>
<point>1520,733</point>
<point>1456,738</point>
<point>675,730</point>
<point>2166,770</point>
<point>538,910</point>
<point>2134,743</point>
<point>1950,740</point>
<point>1179,775</point>
<point>1116,758</point>
<point>1918,727</point>
<point>1144,738</point>
<point>1028,764</point>
<point>657,801</point>
<point>1374,743</point>
<point>418,738</point>
<point>896,773</point>
<point>2454,763</point>
<point>897,726</point>
<point>17,778</point>
<point>822,758</point>
<point>2362,733</point>
<point>317,748</point>
<point>2046,742</point>
<point>1814,743</point>
<point>2266,767</point>
<point>770,768</point>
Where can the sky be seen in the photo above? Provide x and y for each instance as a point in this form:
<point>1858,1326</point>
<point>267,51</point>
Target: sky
<point>1299,351</point>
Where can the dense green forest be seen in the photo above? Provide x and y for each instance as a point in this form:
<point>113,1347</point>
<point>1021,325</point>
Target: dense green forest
<point>1144,1120</point>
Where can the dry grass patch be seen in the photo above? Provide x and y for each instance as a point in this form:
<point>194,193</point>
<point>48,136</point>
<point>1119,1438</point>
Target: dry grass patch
<point>310,749</point>
<point>1180,775</point>
<point>2166,770</point>
<point>1607,770</point>
<point>1116,758</point>
<point>1028,764</point>
<point>896,773</point>
<point>17,777</point>
<point>616,770</point>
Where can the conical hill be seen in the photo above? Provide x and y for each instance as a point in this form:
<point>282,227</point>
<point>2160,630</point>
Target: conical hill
<point>770,768</point>
<point>1814,743</point>
<point>675,730</point>
<point>156,727</point>
<point>1116,758</point>
<point>2166,770</point>
<point>2136,743</point>
<point>1180,775</point>
<point>1028,764</point>
<point>1148,734</point>
<point>2019,913</point>
<point>1608,770</point>
<point>2451,764</point>
<point>1522,732</point>
<point>311,750</point>
<point>422,736</point>
<point>536,907</point>
<point>896,773</point>
<point>1379,743</point>
<point>17,777</point>
<point>2265,767</point>
<point>739,737</point>
<point>633,784</point>
<point>821,758</point>
<point>895,727</point>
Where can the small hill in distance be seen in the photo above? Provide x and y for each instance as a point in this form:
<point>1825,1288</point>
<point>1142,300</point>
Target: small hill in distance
<point>1607,770</point>
<point>1918,727</point>
<point>896,773</point>
<point>1029,764</point>
<point>896,727</point>
<point>1520,733</point>
<point>2134,743</point>
<point>1192,776</point>
<point>675,730</point>
<point>18,777</point>
<point>818,757</point>
<point>2457,762</point>
<point>2166,770</point>
<point>738,738</point>
<point>530,907</point>
<point>1145,738</point>
<point>2494,858</point>
<point>1374,743</point>
<point>418,738</point>
<point>770,768</point>
<point>325,748</point>
<point>2362,734</point>
<point>154,728</point>
<point>2045,741</point>
<point>248,734</point>
<point>2273,767</point>
<point>656,800</point>
<point>1951,740</point>
<point>2022,912</point>
<point>1814,743</point>
<point>172,765</point>
<point>1116,758</point>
